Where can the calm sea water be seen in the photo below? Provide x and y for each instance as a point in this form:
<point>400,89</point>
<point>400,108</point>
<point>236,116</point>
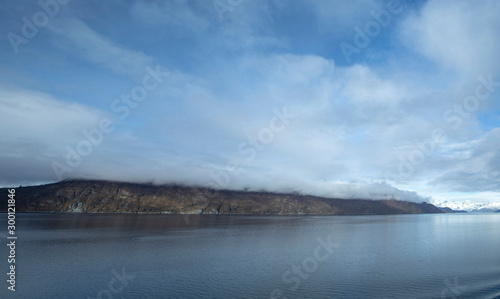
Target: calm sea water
<point>169,256</point>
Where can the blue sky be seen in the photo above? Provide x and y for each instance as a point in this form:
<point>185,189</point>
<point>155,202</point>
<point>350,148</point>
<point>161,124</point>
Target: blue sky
<point>351,99</point>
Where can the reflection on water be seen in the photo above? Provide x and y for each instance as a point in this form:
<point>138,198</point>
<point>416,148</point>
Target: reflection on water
<point>208,256</point>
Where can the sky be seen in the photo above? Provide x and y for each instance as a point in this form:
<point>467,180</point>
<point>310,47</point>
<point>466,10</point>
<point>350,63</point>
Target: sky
<point>349,99</point>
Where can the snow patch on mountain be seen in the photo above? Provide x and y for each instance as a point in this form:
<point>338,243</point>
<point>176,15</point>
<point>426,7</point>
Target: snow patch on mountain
<point>468,205</point>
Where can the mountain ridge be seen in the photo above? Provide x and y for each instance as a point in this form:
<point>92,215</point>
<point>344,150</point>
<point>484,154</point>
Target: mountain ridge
<point>93,196</point>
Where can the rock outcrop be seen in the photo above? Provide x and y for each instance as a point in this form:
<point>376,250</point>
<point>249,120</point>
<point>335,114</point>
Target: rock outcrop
<point>115,197</point>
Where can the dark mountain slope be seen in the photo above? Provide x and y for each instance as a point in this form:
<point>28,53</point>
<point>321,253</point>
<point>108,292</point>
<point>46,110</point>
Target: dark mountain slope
<point>115,197</point>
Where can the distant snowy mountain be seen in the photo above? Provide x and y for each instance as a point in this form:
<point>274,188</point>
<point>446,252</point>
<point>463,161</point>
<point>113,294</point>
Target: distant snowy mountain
<point>468,205</point>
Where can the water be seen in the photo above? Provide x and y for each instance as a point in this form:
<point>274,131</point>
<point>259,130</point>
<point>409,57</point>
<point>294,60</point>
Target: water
<point>161,256</point>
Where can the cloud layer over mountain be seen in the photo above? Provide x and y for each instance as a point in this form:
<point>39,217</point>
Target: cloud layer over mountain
<point>330,98</point>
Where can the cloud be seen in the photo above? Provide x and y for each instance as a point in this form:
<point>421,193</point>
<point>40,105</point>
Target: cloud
<point>183,15</point>
<point>35,128</point>
<point>35,116</point>
<point>77,38</point>
<point>364,87</point>
<point>344,130</point>
<point>351,122</point>
<point>476,167</point>
<point>340,17</point>
<point>457,35</point>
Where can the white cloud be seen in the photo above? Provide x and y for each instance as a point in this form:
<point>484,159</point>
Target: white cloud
<point>35,129</point>
<point>476,168</point>
<point>39,117</point>
<point>178,14</point>
<point>459,35</point>
<point>80,39</point>
<point>364,87</point>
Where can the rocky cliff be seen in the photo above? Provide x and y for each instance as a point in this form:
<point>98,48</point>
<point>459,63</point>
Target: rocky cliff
<point>115,197</point>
